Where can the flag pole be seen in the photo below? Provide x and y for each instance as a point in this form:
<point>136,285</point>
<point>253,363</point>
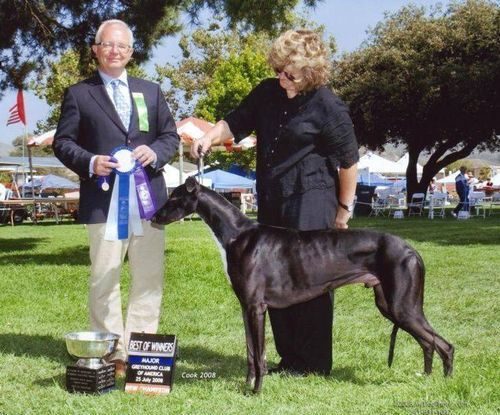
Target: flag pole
<point>34,218</point>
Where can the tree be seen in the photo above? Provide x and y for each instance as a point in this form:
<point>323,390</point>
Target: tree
<point>33,32</point>
<point>430,83</point>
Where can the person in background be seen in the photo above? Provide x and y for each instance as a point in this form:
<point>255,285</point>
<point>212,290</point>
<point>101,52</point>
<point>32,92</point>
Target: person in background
<point>462,188</point>
<point>432,186</point>
<point>99,115</point>
<point>307,157</point>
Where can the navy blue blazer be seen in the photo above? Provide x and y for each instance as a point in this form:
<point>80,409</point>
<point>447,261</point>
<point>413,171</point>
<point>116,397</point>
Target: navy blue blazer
<point>89,125</point>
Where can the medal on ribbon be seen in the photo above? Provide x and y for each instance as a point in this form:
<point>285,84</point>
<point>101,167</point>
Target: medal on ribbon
<point>132,198</point>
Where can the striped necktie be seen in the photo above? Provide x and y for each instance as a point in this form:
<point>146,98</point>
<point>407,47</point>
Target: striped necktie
<point>122,104</point>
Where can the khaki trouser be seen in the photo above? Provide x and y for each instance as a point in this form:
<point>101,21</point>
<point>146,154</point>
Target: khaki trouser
<point>146,261</point>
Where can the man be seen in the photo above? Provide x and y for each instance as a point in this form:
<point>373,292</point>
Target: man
<point>99,115</point>
<point>462,188</point>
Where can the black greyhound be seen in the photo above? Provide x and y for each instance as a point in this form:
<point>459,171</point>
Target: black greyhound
<point>277,267</point>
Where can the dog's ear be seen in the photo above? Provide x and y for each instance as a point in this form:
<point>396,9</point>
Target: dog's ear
<point>191,184</point>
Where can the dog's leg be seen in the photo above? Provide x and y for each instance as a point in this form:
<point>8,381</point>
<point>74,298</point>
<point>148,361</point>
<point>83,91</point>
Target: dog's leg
<point>401,300</point>
<point>446,353</point>
<point>381,303</point>
<point>410,317</point>
<point>256,319</point>
<point>444,349</point>
<point>419,328</point>
<point>250,351</point>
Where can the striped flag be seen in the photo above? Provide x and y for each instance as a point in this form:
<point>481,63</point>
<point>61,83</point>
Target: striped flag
<point>16,113</point>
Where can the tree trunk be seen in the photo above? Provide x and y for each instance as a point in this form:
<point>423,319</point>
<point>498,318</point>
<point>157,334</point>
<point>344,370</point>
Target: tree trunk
<point>435,163</point>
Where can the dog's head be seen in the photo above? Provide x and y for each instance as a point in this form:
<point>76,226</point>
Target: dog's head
<point>182,202</point>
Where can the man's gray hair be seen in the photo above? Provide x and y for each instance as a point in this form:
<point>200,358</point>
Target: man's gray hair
<point>103,25</point>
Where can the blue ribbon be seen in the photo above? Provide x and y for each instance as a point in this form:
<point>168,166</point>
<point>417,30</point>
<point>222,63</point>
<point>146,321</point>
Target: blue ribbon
<point>123,195</point>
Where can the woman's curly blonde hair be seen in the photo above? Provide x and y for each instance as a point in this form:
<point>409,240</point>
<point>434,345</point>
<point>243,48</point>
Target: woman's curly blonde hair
<point>304,51</point>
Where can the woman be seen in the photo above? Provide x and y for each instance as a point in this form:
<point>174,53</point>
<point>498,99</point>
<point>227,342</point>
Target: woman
<point>306,175</point>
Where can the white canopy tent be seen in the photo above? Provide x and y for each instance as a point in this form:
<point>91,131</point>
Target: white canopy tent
<point>378,164</point>
<point>496,180</point>
<point>450,178</point>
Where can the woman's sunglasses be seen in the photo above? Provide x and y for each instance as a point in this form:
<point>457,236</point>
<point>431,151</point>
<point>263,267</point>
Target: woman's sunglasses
<point>288,76</point>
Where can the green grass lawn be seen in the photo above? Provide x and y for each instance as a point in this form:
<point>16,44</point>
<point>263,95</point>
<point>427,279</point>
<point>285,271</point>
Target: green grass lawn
<point>43,295</point>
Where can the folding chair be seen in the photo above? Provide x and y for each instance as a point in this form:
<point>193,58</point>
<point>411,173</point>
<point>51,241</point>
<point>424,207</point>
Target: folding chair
<point>495,201</point>
<point>437,203</point>
<point>416,205</point>
<point>379,206</point>
<point>476,204</point>
<point>397,203</point>
<point>248,202</point>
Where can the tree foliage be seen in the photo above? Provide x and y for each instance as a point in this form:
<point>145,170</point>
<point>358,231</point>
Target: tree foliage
<point>233,79</point>
<point>33,32</point>
<point>428,82</point>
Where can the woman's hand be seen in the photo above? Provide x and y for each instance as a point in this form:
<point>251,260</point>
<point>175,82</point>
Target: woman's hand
<point>342,217</point>
<point>215,136</point>
<point>200,147</point>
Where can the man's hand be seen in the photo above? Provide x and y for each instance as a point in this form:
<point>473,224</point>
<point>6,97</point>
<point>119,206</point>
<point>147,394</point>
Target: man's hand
<point>144,155</point>
<point>103,165</point>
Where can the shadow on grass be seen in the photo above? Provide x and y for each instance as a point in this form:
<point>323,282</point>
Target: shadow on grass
<point>20,244</point>
<point>346,374</point>
<point>194,364</point>
<point>197,363</point>
<point>58,380</point>
<point>448,231</point>
<point>19,251</point>
<point>23,345</point>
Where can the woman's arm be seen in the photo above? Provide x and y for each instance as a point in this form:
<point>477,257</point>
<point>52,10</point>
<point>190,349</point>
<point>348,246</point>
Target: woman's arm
<point>347,190</point>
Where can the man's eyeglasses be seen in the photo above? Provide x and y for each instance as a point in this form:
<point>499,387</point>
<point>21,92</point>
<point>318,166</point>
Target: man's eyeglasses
<point>288,76</point>
<point>122,47</point>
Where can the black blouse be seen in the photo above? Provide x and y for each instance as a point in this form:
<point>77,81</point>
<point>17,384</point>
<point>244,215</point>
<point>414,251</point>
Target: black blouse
<point>300,141</point>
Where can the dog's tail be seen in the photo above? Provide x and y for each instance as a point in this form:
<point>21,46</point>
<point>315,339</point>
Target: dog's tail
<point>392,345</point>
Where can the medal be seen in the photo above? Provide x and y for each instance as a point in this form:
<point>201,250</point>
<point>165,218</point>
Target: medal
<point>103,183</point>
<point>103,180</point>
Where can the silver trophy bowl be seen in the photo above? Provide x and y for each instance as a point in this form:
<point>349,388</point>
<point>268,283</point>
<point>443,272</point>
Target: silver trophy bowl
<point>91,347</point>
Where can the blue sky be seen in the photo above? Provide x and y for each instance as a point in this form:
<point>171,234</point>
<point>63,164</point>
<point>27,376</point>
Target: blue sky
<point>346,20</point>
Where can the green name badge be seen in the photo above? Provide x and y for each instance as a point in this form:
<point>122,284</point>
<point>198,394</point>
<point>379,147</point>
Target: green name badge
<point>142,111</point>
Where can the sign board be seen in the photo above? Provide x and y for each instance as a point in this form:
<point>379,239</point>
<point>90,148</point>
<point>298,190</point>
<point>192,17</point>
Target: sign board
<point>151,363</point>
